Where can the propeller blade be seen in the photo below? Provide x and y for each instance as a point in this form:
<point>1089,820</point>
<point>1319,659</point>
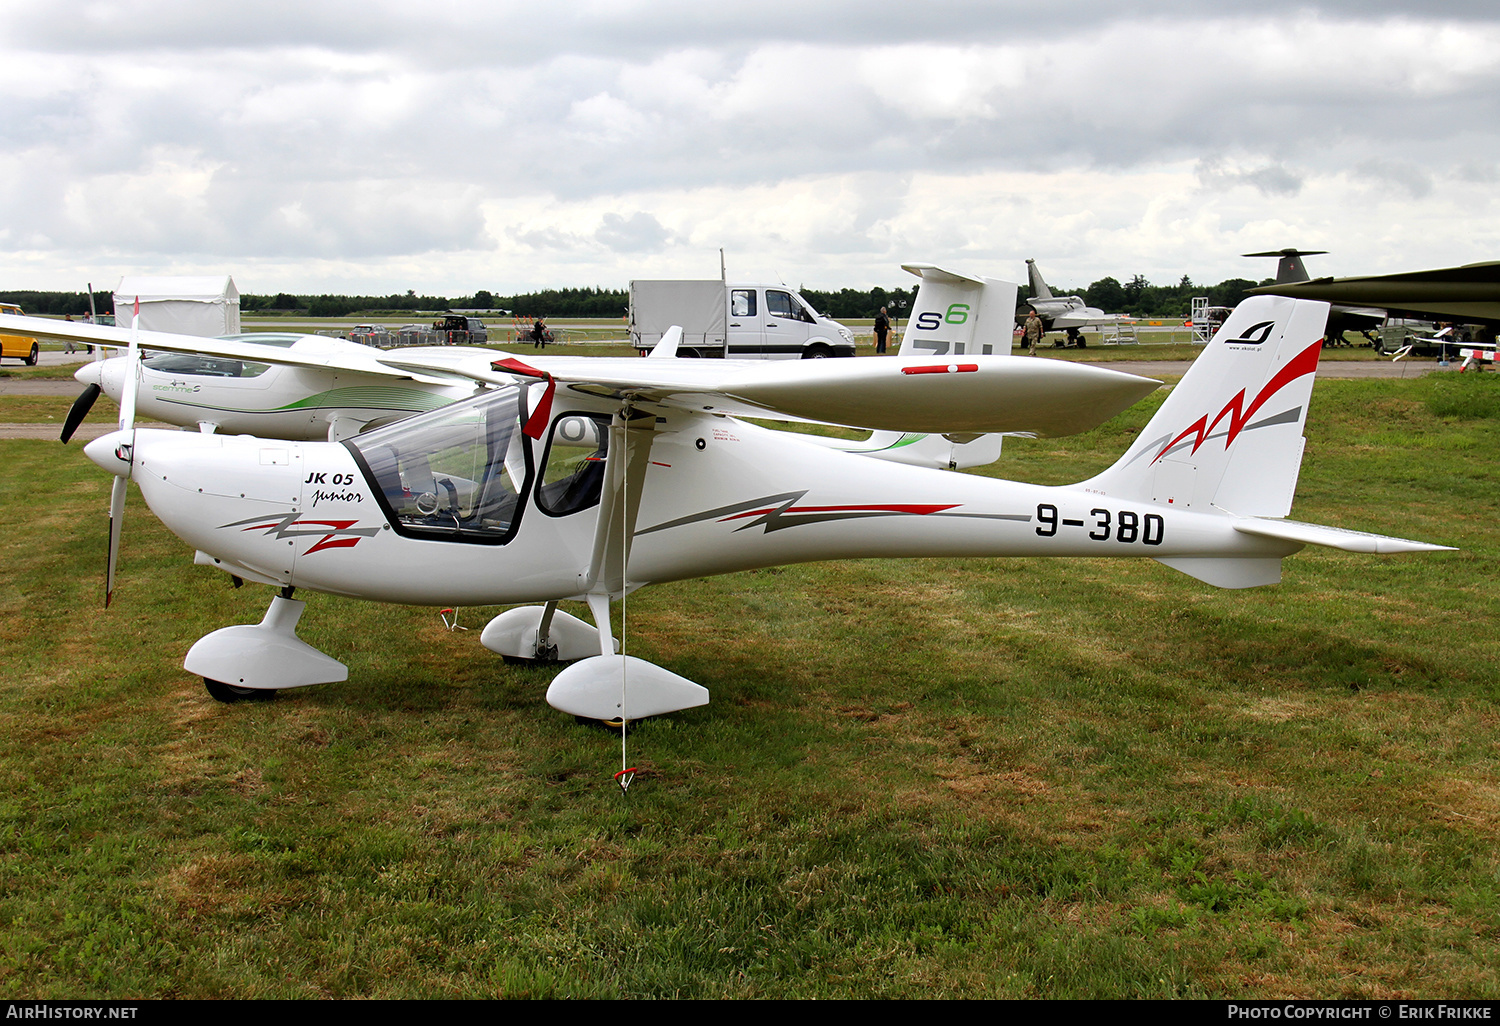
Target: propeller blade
<point>127,423</point>
<point>80,409</point>
<point>116,522</point>
<point>132,371</point>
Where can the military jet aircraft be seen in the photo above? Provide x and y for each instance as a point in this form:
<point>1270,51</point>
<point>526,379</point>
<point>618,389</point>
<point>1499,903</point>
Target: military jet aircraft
<point>1062,313</point>
<point>1341,317</point>
<point>1469,294</point>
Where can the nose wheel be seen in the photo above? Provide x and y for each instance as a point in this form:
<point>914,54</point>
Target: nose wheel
<point>231,693</point>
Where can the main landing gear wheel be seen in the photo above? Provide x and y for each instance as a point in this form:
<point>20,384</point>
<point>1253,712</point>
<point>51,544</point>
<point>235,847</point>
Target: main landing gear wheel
<point>613,726</point>
<point>231,693</point>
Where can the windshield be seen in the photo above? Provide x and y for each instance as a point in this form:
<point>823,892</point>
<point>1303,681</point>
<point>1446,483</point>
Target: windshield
<point>455,474</point>
<point>205,366</point>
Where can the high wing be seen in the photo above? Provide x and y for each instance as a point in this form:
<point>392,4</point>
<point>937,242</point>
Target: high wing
<point>313,351</point>
<point>917,393</point>
<point>914,393</point>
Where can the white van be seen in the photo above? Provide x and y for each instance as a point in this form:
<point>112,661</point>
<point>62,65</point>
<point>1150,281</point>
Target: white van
<point>770,322</point>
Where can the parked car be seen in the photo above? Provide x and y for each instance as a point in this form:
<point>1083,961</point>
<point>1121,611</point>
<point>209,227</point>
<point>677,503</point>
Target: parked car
<point>18,347</point>
<point>458,330</point>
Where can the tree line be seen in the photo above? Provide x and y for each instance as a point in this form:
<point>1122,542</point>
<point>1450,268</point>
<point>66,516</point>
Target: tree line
<point>1137,297</point>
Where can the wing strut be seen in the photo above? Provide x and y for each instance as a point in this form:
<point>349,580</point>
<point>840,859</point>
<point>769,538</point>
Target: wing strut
<point>609,687</point>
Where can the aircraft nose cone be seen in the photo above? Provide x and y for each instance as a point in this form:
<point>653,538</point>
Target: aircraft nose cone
<point>90,373</point>
<point>112,452</point>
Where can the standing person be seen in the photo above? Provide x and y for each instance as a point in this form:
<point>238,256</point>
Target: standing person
<point>882,330</point>
<point>539,333</point>
<point>1033,332</point>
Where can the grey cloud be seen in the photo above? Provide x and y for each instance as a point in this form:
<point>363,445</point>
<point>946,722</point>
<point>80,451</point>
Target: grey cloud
<point>521,33</point>
<point>335,129</point>
<point>639,233</point>
<point>1476,171</point>
<point>1270,180</point>
<point>548,239</point>
<point>1396,175</point>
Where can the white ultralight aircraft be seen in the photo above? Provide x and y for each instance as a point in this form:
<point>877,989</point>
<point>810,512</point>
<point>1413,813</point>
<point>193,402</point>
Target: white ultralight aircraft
<point>588,483</point>
<point>309,387</point>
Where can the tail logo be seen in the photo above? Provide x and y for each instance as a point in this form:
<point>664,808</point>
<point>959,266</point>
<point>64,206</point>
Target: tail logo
<point>1257,334</point>
<point>1305,362</point>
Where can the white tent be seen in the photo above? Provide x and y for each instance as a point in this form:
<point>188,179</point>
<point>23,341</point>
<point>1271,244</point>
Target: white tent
<point>205,305</point>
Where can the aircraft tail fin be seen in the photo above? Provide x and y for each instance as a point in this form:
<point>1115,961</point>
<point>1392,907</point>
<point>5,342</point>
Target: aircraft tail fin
<point>1039,289</point>
<point>1229,437</point>
<point>1289,266</point>
<point>959,315</point>
<point>666,348</point>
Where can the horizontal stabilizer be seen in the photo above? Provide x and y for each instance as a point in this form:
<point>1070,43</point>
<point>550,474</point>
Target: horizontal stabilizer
<point>1332,537</point>
<point>934,273</point>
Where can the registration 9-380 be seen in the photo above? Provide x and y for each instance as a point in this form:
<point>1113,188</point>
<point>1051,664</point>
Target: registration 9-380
<point>1125,526</point>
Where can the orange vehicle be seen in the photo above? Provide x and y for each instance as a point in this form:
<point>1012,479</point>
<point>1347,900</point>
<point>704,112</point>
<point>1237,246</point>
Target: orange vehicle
<point>18,347</point>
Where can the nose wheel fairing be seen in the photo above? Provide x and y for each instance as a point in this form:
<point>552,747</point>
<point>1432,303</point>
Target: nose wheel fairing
<point>265,656</point>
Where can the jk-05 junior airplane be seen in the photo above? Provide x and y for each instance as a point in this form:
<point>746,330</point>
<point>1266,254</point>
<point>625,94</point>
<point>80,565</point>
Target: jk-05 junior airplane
<point>584,485</point>
<point>309,387</point>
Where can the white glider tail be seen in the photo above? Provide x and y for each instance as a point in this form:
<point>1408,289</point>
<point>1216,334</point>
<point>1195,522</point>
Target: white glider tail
<point>1229,437</point>
<point>1229,440</point>
<point>955,314</point>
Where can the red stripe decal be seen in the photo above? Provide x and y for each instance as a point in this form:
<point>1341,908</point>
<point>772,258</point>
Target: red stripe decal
<point>946,368</point>
<point>914,510</point>
<point>1305,362</point>
<point>331,542</point>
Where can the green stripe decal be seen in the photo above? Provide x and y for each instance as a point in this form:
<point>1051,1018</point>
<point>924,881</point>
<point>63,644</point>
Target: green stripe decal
<point>372,397</point>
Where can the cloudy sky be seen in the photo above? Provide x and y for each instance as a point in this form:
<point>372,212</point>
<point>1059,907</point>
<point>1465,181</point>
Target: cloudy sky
<point>369,147</point>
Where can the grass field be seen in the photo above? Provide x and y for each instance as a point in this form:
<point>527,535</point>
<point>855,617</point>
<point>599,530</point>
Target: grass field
<point>940,778</point>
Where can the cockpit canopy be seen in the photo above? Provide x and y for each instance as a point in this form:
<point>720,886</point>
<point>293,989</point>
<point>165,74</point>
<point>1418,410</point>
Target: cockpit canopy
<point>462,473</point>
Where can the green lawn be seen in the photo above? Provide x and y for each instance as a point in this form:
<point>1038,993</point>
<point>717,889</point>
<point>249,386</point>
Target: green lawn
<point>941,778</point>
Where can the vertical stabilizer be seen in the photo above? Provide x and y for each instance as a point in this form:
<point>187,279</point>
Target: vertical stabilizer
<point>957,315</point>
<point>1289,266</point>
<point>1039,289</point>
<point>1229,437</point>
